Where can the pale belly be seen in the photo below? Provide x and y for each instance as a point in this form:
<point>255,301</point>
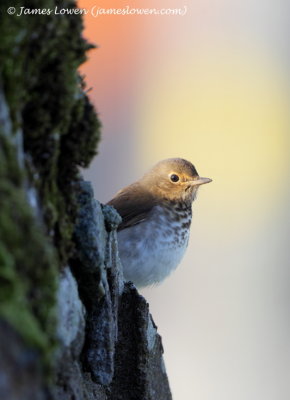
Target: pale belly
<point>150,253</point>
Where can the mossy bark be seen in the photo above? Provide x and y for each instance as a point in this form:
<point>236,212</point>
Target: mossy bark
<point>47,129</point>
<point>69,327</point>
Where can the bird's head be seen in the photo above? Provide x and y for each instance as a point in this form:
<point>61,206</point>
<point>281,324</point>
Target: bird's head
<point>174,179</point>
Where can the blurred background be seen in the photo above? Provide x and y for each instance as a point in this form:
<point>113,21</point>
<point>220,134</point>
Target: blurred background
<point>212,87</point>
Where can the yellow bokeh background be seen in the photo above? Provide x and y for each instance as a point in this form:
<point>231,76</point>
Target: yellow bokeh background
<point>229,115</point>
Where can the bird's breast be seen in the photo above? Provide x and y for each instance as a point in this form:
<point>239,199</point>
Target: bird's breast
<point>152,249</point>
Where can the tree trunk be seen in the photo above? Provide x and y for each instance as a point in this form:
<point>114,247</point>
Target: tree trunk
<point>70,327</point>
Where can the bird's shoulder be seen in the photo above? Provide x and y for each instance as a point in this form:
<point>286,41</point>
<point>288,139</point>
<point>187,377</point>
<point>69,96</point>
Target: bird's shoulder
<point>134,204</point>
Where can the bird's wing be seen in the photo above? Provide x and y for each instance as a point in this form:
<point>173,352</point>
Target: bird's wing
<point>133,203</point>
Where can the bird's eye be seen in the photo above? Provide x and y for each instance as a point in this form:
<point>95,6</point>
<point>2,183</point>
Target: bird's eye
<point>174,178</point>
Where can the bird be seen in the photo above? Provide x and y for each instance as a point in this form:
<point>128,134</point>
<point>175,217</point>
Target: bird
<point>156,216</point>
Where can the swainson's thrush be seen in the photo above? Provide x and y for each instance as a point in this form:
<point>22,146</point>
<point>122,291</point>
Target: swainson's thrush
<point>156,217</point>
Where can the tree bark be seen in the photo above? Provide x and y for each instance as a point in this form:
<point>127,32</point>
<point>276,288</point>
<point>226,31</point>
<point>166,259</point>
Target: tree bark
<point>70,327</point>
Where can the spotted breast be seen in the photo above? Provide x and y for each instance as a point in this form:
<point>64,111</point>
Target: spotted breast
<point>152,249</point>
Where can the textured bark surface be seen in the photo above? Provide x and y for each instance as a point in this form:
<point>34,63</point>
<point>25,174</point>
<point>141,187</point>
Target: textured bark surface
<point>70,327</point>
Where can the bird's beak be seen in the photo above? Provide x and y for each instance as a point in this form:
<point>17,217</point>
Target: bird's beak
<point>200,181</point>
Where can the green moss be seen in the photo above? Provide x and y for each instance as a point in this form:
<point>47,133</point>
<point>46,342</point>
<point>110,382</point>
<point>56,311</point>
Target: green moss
<point>46,98</point>
<point>39,57</point>
<point>27,262</point>
<point>14,306</point>
<point>56,133</point>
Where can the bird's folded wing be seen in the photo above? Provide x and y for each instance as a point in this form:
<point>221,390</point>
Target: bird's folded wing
<point>133,204</point>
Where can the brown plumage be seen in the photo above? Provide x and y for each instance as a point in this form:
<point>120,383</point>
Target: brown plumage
<point>156,216</point>
<point>133,203</point>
